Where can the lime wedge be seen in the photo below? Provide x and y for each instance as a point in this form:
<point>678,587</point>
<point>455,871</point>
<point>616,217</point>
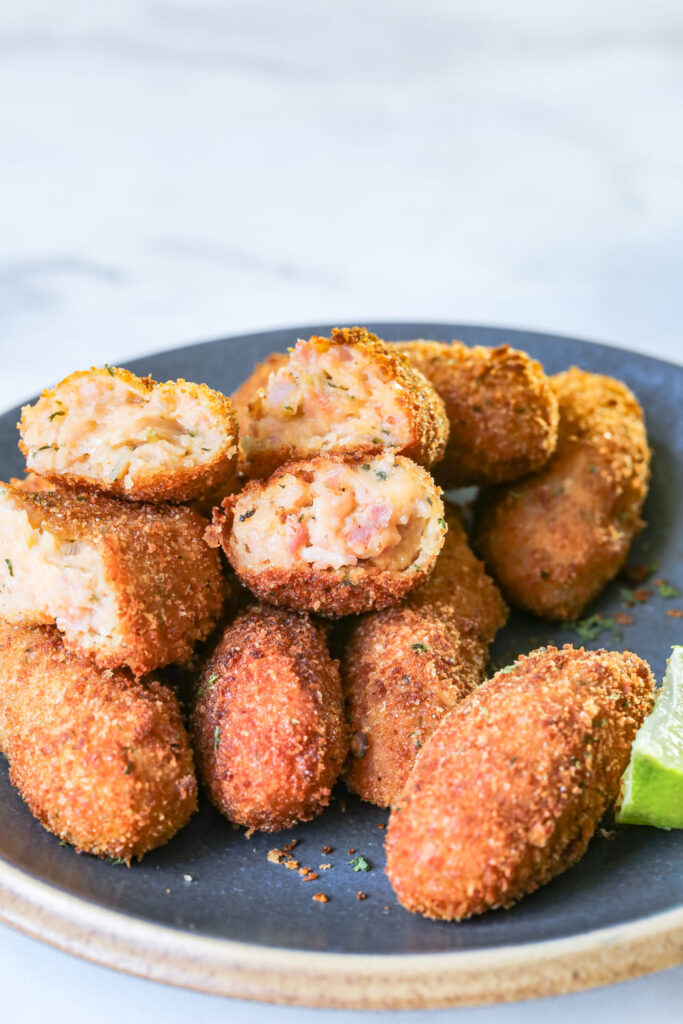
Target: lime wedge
<point>652,785</point>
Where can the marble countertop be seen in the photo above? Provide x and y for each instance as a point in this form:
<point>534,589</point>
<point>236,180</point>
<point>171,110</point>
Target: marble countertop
<point>174,170</point>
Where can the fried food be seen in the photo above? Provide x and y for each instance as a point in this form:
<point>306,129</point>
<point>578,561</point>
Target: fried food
<point>554,539</point>
<point>508,791</point>
<point>334,535</point>
<point>257,379</point>
<point>102,761</point>
<point>268,720</point>
<point>126,583</point>
<point>404,668</point>
<point>129,436</point>
<point>348,394</point>
<point>500,407</point>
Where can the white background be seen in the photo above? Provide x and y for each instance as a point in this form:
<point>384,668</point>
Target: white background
<point>173,171</point>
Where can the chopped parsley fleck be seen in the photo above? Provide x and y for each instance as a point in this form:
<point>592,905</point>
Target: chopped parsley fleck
<point>380,474</point>
<point>115,860</point>
<point>359,863</point>
<point>591,627</point>
<point>377,440</point>
<point>247,515</point>
<point>594,469</point>
<point>365,466</point>
<point>10,570</point>
<point>59,412</point>
<point>301,518</point>
<point>429,500</point>
<point>109,370</point>
<point>43,448</point>
<point>420,647</point>
<point>289,408</point>
<point>216,737</point>
<point>192,433</point>
<point>442,523</point>
<point>212,679</point>
<point>508,668</point>
<point>406,680</point>
<point>666,590</point>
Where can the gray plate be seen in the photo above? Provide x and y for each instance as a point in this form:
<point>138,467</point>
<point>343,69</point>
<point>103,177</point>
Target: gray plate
<point>236,894</point>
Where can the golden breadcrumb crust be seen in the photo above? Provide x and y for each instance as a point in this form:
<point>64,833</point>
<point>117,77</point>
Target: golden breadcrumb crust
<point>328,592</point>
<point>500,407</point>
<point>404,668</point>
<point>168,583</point>
<point>101,760</point>
<point>413,393</point>
<point>508,791</point>
<point>554,539</point>
<point>185,483</point>
<point>268,720</point>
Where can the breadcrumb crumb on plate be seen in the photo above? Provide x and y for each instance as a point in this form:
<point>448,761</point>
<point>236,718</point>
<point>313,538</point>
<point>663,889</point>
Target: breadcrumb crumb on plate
<point>132,437</point>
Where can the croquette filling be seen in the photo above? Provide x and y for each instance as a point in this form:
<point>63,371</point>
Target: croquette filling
<point>100,427</point>
<point>327,397</point>
<point>45,579</point>
<point>375,514</point>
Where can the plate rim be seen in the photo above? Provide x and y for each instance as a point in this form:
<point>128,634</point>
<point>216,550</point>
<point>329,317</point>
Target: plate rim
<point>273,974</point>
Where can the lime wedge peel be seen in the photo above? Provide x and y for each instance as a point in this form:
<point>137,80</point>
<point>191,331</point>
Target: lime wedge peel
<point>652,785</point>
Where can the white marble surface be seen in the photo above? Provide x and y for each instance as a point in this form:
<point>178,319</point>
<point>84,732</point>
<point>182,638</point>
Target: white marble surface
<point>171,171</point>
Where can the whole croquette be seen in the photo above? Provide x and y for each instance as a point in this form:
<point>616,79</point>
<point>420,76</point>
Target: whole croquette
<point>102,760</point>
<point>500,406</point>
<point>348,394</point>
<point>268,720</point>
<point>510,787</point>
<point>127,583</point>
<point>554,539</point>
<point>108,430</point>
<point>404,668</point>
<point>334,535</point>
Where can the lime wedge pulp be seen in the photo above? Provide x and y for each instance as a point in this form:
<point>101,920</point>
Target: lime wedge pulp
<point>652,785</point>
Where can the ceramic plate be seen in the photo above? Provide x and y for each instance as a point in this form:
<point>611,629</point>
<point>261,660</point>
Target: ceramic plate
<point>246,927</point>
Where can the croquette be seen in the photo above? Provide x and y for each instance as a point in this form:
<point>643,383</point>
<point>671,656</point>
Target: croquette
<point>404,668</point>
<point>102,760</point>
<point>127,583</point>
<point>334,535</point>
<point>501,410</point>
<point>348,394</point>
<point>257,379</point>
<point>108,430</point>
<point>268,720</point>
<point>509,789</point>
<point>553,540</point>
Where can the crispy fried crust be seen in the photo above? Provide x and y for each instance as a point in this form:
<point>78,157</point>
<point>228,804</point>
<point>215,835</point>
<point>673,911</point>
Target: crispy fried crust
<point>413,392</point>
<point>332,593</point>
<point>257,379</point>
<point>101,760</point>
<point>210,479</point>
<point>168,583</point>
<point>510,788</point>
<point>555,539</point>
<point>500,407</point>
<point>404,668</point>
<point>268,720</point>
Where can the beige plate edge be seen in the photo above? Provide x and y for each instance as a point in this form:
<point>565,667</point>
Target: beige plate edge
<point>427,980</point>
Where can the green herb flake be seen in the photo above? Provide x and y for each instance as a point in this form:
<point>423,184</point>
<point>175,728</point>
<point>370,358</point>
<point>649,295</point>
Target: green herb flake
<point>115,860</point>
<point>59,412</point>
<point>594,469</point>
<point>359,863</point>
<point>442,523</point>
<point>192,433</point>
<point>288,408</point>
<point>380,474</point>
<point>420,647</point>
<point>10,570</point>
<point>508,668</point>
<point>109,370</point>
<point>593,626</point>
<point>406,680</point>
<point>666,590</point>
<point>365,467</point>
<point>247,515</point>
<point>216,737</point>
<point>377,440</point>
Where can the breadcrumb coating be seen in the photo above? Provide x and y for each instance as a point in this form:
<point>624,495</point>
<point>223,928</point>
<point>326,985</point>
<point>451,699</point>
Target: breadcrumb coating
<point>109,430</point>
<point>335,536</point>
<point>130,583</point>
<point>508,791</point>
<point>404,668</point>
<point>347,394</point>
<point>555,539</point>
<point>501,410</point>
<point>102,761</point>
<point>268,720</point>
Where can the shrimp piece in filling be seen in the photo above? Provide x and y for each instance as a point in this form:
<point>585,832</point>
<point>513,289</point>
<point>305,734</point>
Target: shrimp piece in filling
<point>332,535</point>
